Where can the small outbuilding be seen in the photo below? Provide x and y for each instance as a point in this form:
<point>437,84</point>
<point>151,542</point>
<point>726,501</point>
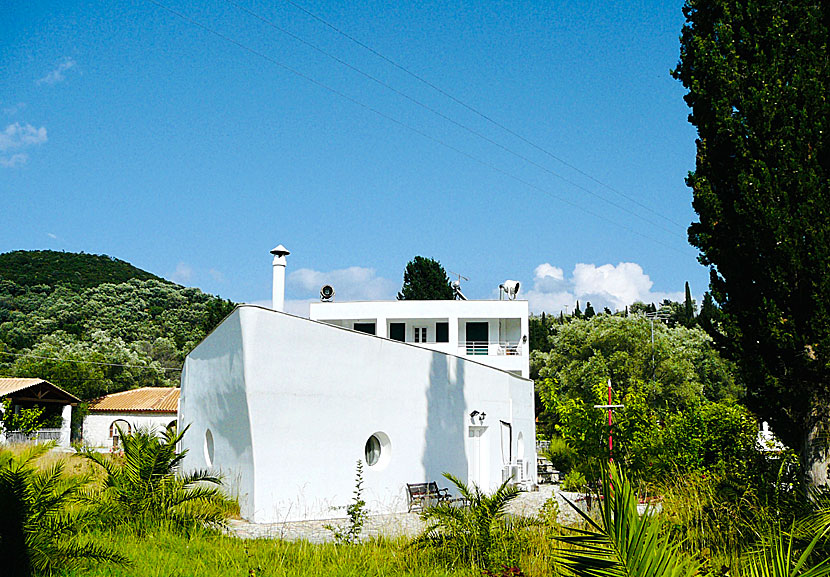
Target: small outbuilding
<point>152,407</point>
<point>26,393</point>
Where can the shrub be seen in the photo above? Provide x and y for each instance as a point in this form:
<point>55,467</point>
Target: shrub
<point>478,533</point>
<point>549,513</point>
<point>719,438</point>
<point>574,481</point>
<point>560,454</point>
<point>25,420</point>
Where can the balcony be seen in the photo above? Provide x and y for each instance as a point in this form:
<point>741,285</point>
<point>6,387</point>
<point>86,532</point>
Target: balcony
<point>491,348</point>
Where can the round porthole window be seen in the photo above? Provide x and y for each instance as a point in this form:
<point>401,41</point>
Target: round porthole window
<point>209,448</point>
<point>377,450</point>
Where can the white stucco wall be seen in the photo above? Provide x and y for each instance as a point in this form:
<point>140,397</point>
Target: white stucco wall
<point>213,396</point>
<point>290,404</point>
<point>66,427</point>
<point>97,425</point>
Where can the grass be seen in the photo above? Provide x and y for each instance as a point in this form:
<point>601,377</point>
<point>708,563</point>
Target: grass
<point>74,463</point>
<point>165,553</point>
<point>169,554</point>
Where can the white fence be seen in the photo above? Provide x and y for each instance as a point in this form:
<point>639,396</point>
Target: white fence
<point>39,436</point>
<point>510,348</point>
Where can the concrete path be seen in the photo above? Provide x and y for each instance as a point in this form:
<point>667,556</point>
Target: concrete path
<point>393,525</point>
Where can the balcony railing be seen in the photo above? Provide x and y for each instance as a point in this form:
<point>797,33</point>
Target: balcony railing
<point>39,436</point>
<point>501,348</point>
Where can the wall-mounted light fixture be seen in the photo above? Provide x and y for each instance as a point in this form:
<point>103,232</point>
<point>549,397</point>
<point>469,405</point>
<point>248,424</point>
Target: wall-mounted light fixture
<point>479,414</point>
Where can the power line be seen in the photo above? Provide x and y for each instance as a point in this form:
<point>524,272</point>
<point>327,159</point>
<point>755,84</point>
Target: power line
<point>444,116</point>
<point>403,124</point>
<point>90,362</point>
<point>479,113</point>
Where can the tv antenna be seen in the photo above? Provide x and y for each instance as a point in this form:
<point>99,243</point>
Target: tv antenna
<point>460,277</point>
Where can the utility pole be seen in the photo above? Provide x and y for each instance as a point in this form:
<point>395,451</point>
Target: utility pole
<point>663,315</point>
<point>610,409</point>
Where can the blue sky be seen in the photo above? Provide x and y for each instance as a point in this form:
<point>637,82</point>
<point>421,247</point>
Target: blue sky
<point>189,138</point>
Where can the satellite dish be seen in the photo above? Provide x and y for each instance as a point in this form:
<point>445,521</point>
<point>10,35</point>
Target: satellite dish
<point>326,293</point>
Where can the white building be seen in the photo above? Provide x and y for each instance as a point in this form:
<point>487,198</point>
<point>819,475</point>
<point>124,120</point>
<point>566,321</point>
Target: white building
<point>493,332</point>
<point>148,407</point>
<point>285,406</point>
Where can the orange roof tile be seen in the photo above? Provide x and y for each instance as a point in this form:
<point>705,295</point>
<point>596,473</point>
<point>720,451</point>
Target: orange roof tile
<point>146,400</point>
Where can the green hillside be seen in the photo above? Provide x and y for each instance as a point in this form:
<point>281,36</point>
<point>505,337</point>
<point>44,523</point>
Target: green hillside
<point>94,324</point>
<point>79,270</point>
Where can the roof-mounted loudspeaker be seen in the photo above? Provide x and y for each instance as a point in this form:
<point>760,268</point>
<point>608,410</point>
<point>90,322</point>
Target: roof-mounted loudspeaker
<point>510,288</point>
<point>326,293</point>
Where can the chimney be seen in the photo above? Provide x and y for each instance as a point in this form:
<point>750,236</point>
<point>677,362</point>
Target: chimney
<point>278,291</point>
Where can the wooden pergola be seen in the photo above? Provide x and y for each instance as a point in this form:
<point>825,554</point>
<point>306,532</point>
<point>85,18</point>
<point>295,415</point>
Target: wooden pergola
<point>35,391</point>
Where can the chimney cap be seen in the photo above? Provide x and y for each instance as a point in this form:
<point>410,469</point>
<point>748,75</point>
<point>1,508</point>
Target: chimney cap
<point>280,250</point>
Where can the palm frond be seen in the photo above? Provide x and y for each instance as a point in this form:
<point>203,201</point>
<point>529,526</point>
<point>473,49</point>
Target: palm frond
<point>777,558</point>
<point>621,542</point>
<point>42,516</point>
<point>71,554</point>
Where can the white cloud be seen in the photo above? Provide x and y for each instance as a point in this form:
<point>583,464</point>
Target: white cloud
<point>618,285</point>
<point>216,275</point>
<point>353,284</point>
<point>607,285</point>
<point>52,235</point>
<point>14,160</point>
<point>548,278</point>
<point>21,136</point>
<point>57,75</point>
<point>183,274</point>
<point>296,307</point>
<point>14,108</point>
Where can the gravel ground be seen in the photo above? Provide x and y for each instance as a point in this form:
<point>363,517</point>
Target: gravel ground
<point>394,525</point>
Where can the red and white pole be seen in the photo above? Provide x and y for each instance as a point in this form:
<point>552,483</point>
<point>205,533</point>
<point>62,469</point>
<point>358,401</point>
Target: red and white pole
<point>610,407</point>
<point>610,424</point>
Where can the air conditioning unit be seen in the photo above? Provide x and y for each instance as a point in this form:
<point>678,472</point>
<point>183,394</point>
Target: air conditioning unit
<point>522,473</point>
<point>512,473</point>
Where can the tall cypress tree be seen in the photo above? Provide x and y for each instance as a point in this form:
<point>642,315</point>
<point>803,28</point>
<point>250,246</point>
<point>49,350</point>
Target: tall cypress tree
<point>757,74</point>
<point>709,319</point>
<point>688,308</point>
<point>589,311</point>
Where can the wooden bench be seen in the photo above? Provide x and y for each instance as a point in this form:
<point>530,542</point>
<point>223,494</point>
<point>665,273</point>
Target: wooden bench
<point>423,495</point>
